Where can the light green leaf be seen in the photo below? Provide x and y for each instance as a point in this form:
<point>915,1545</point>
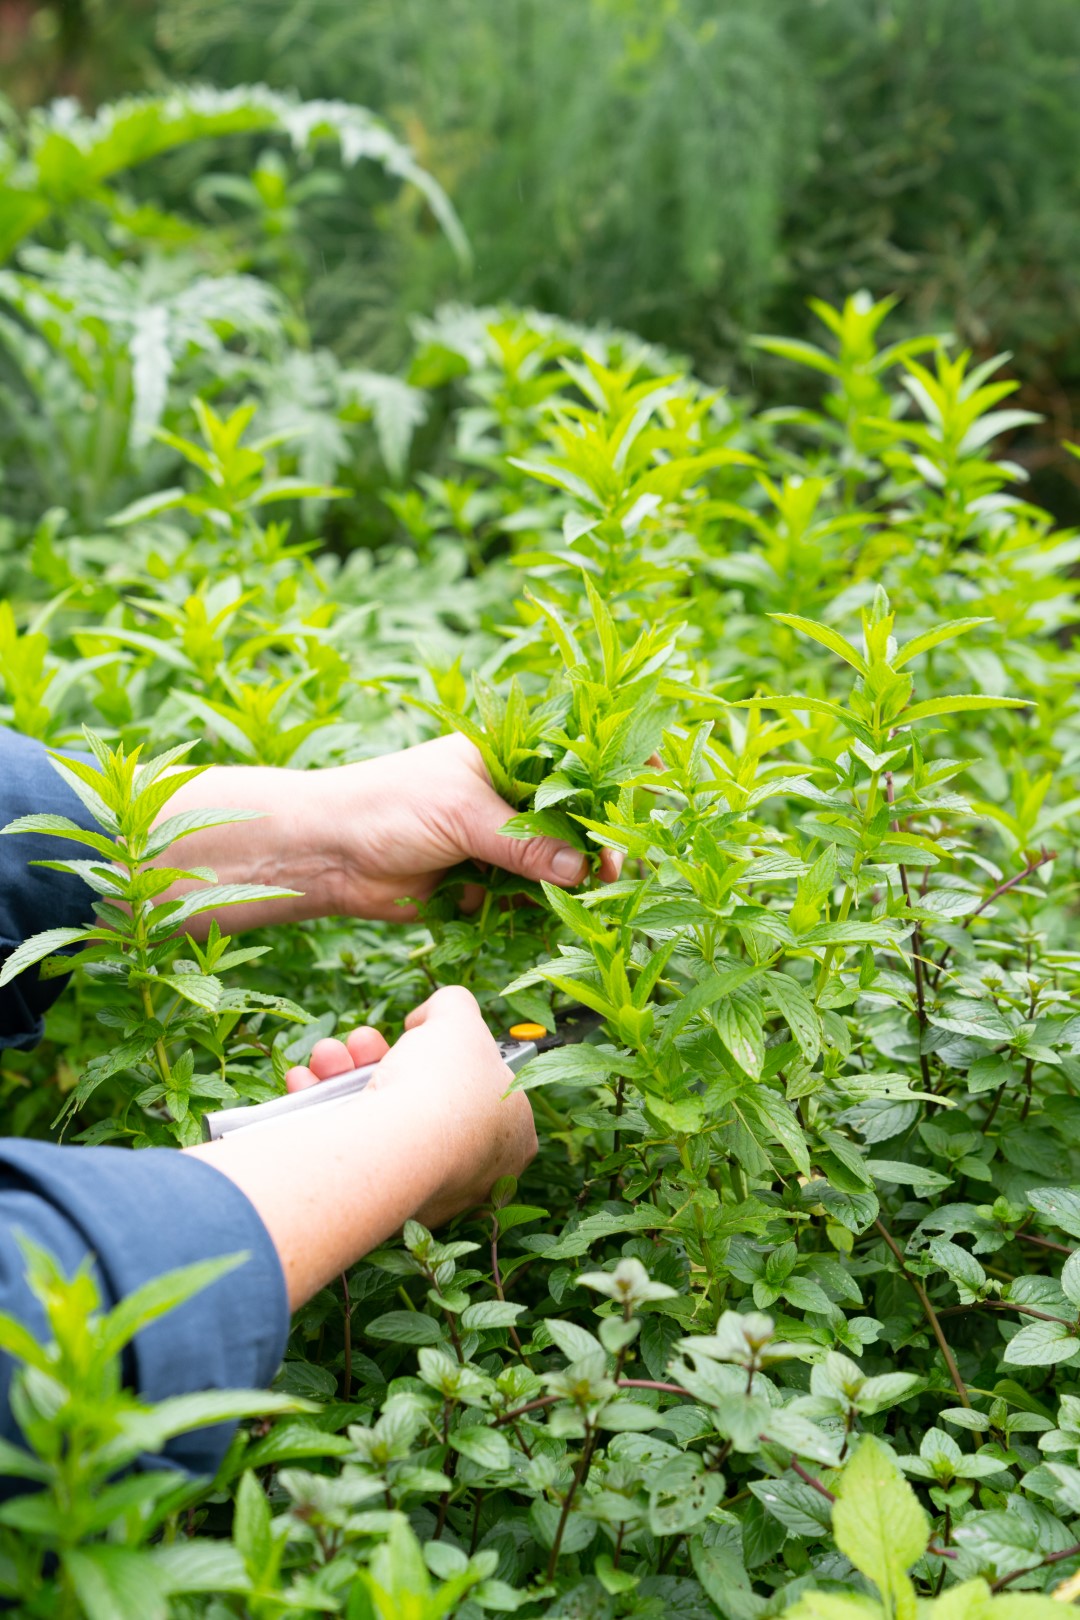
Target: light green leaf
<point>149,506</point>
<point>796,349</point>
<point>490,1313</point>
<point>778,1119</point>
<point>968,703</point>
<point>705,994</point>
<point>151,1429</point>
<point>185,822</point>
<point>592,1228</point>
<point>574,1341</point>
<point>171,914</point>
<point>1061,1205</point>
<point>794,1004</point>
<point>629,1417</point>
<point>484,1446</point>
<point>201,989</point>
<point>828,638</point>
<point>934,638</point>
<point>161,1295</point>
<point>17,1340</point>
<point>201,1566</point>
<point>907,1175</point>
<point>1070,1278</point>
<point>738,1022</point>
<point>877,1394</point>
<point>879,1525</point>
<point>61,827</point>
<point>575,1064</point>
<point>799,1508</point>
<point>117,1583</point>
<point>251,1524</point>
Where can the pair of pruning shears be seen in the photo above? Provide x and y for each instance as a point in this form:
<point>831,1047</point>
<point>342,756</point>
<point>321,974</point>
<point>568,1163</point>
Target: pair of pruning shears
<point>522,1043</point>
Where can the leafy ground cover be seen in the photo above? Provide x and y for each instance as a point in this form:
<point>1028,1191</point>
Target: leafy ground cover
<point>787,1312</point>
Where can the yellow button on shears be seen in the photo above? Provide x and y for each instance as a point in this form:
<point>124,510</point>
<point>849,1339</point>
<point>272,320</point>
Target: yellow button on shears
<point>528,1032</point>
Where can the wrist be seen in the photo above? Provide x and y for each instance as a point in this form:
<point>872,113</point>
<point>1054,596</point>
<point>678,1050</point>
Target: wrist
<point>330,1186</point>
<point>357,813</point>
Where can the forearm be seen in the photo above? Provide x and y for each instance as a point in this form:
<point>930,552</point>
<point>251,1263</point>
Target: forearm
<point>332,1184</point>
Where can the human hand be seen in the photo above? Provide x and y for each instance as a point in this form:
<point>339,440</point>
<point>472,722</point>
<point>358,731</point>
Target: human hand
<point>397,824</point>
<point>428,1138</point>
<point>361,840</point>
<point>449,1068</point>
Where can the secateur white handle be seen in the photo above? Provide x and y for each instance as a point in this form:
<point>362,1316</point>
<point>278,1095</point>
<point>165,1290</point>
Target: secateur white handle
<point>515,1054</point>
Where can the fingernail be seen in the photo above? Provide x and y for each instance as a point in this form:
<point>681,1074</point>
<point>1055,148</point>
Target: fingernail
<point>568,864</point>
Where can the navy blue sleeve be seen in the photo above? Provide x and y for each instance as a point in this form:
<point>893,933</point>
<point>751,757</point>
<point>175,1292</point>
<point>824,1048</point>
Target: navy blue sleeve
<point>139,1215</point>
<point>32,898</point>
<point>136,1214</point>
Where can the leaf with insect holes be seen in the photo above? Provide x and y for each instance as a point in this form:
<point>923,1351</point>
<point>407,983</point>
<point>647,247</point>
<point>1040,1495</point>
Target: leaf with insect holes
<point>682,1494</point>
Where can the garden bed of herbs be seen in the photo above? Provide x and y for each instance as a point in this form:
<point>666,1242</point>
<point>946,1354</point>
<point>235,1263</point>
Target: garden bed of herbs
<point>786,1313</point>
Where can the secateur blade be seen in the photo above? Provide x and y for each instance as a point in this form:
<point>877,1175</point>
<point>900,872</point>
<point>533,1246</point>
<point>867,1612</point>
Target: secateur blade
<point>572,1025</point>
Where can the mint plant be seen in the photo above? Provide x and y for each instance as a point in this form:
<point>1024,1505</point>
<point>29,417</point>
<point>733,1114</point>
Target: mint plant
<point>176,1003</point>
<point>83,1433</point>
<point>785,1317</point>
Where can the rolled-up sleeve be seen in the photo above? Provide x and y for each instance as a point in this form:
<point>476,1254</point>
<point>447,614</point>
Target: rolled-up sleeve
<point>139,1215</point>
<point>33,899</point>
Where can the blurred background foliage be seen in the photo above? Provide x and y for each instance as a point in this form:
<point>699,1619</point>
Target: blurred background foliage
<point>689,169</point>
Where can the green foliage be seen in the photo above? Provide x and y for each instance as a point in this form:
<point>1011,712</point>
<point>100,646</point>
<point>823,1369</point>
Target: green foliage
<point>66,160</point>
<point>134,944</point>
<point>166,309</point>
<point>880,1527</point>
<point>786,1312</point>
<point>685,167</point>
<point>83,1434</point>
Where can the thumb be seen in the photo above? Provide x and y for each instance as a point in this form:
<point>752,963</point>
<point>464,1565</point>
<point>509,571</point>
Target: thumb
<point>548,860</point>
<point>450,1001</point>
